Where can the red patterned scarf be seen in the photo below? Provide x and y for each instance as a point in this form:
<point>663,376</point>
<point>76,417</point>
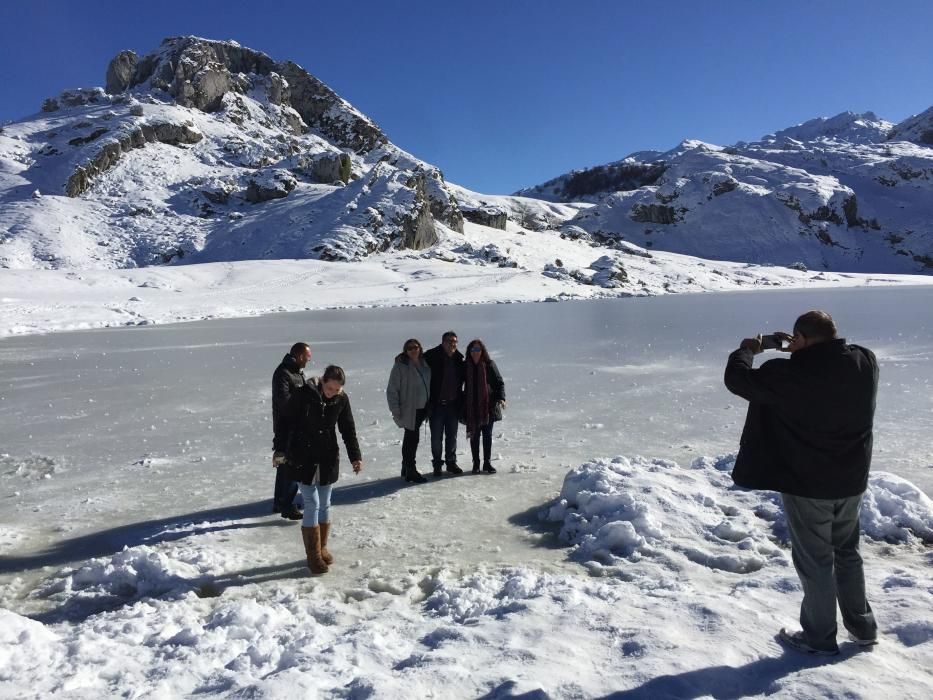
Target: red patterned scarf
<point>477,396</point>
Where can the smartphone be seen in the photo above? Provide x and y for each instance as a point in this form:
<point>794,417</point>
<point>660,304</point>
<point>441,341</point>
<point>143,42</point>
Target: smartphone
<point>772,342</point>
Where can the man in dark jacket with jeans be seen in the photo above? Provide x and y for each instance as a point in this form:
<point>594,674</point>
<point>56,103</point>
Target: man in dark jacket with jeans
<point>808,434</point>
<point>447,373</point>
<point>286,380</point>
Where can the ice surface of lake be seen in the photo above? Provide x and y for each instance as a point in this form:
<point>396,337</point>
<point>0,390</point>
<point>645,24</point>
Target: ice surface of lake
<point>107,427</point>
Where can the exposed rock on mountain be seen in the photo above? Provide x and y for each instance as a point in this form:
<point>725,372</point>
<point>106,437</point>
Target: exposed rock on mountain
<point>208,151</point>
<point>852,192</point>
<point>918,129</point>
<point>192,153</point>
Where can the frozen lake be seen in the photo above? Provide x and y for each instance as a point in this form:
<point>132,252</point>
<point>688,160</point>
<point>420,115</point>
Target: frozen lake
<point>127,431</point>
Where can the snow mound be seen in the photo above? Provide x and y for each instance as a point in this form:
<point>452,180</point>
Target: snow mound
<point>629,509</point>
<point>30,644</point>
<point>895,510</point>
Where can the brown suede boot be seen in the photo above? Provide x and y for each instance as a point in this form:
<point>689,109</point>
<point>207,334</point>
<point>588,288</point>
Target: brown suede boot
<point>325,555</point>
<point>311,536</point>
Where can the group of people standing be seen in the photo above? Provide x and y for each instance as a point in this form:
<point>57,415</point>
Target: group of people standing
<point>444,388</point>
<point>440,386</point>
<point>807,434</point>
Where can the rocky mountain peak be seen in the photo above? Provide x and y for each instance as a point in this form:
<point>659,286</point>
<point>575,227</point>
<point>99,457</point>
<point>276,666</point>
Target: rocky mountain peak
<point>852,127</point>
<point>200,73</point>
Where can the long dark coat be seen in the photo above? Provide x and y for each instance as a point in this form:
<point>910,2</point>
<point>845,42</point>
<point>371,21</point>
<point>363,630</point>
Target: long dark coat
<point>808,431</point>
<point>286,381</point>
<point>313,445</point>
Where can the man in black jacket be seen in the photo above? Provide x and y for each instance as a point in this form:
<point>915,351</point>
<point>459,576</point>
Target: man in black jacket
<point>447,374</point>
<point>808,434</point>
<point>286,380</point>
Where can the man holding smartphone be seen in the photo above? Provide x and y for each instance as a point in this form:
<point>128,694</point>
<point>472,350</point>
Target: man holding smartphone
<point>808,434</point>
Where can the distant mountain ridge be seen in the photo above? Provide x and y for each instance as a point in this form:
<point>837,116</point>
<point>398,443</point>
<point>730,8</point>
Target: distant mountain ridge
<point>852,192</point>
<point>207,151</point>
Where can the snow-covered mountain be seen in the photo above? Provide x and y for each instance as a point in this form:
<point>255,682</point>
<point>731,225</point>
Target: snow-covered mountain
<point>853,192</point>
<point>207,151</point>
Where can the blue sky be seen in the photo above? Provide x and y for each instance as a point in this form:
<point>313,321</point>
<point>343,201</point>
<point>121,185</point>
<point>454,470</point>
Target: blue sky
<point>505,94</point>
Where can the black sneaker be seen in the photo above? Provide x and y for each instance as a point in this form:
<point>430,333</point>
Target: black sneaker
<point>438,473</point>
<point>416,477</point>
<point>488,468</point>
<point>293,512</point>
<point>454,469</point>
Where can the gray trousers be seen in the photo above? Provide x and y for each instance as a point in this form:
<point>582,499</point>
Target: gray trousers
<point>824,537</point>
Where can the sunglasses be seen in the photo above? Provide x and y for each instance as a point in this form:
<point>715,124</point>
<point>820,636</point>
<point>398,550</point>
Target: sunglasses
<point>476,349</point>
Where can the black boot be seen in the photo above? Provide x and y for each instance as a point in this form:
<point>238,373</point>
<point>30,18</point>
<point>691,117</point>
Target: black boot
<point>452,468</point>
<point>476,466</point>
<point>414,476</point>
<point>488,468</point>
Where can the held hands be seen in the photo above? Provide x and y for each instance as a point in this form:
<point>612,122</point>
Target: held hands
<point>760,343</point>
<point>753,344</point>
<point>278,459</point>
<point>358,466</point>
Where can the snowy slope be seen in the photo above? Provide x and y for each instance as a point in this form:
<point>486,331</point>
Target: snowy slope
<point>852,192</point>
<point>230,166</point>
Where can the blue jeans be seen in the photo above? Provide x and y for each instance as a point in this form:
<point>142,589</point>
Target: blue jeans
<point>285,490</point>
<point>317,504</point>
<point>824,536</point>
<point>444,423</point>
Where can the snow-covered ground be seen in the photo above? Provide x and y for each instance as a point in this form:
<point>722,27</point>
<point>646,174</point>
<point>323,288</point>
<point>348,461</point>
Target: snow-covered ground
<point>455,271</point>
<point>139,558</point>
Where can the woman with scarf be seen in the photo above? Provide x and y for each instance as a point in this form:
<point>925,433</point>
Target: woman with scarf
<point>484,399</point>
<point>407,394</point>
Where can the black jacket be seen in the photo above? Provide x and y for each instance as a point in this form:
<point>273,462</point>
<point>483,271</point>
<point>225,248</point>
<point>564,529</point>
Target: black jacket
<point>437,361</point>
<point>313,445</point>
<point>808,431</point>
<point>286,380</point>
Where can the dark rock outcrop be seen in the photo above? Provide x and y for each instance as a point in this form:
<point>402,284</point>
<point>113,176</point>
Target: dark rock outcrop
<point>325,168</point>
<point>417,227</point>
<point>273,185</point>
<point>108,155</point>
<point>654,214</point>
<point>120,72</point>
<point>322,109</point>
<point>617,177</point>
<point>490,215</point>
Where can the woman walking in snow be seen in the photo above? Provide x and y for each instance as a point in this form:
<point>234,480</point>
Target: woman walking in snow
<point>314,457</point>
<point>484,399</point>
<point>407,394</point>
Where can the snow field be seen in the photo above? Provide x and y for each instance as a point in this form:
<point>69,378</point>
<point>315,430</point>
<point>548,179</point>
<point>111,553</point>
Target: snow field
<point>689,578</point>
